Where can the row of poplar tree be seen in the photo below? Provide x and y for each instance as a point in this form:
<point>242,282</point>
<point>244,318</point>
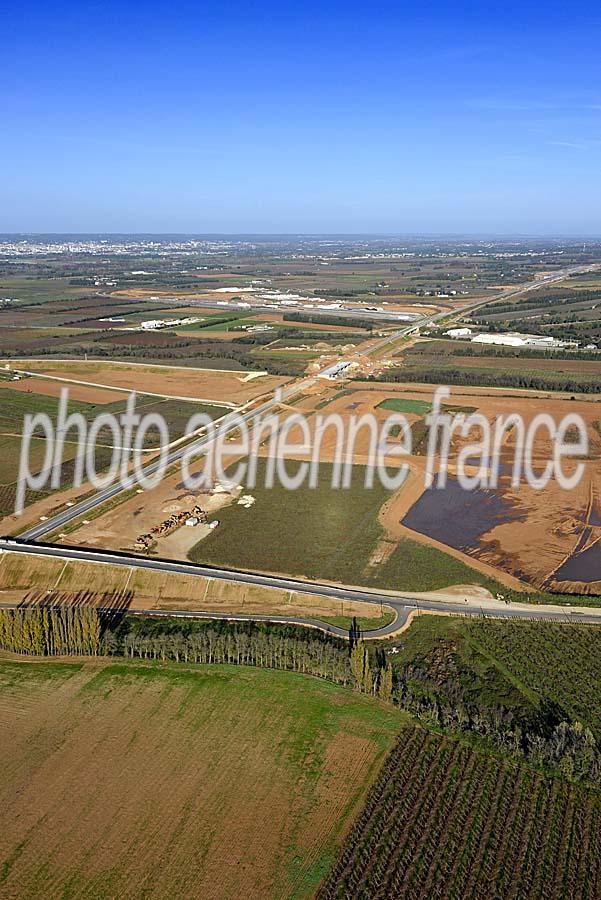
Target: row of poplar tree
<point>77,630</point>
<point>270,648</point>
<point>51,631</point>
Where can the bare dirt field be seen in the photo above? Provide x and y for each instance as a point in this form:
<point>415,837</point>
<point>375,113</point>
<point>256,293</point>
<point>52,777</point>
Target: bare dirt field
<point>134,780</point>
<point>526,534</point>
<point>515,535</point>
<point>198,384</point>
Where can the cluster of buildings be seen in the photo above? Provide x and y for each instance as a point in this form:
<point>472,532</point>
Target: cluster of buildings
<point>156,324</point>
<point>284,300</point>
<point>509,339</point>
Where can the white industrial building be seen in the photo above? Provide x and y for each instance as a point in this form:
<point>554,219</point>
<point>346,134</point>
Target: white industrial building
<point>154,324</point>
<point>458,332</point>
<point>515,339</point>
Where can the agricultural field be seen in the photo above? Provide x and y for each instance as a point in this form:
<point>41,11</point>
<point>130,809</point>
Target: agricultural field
<point>401,405</point>
<point>527,688</point>
<point>466,363</point>
<point>107,328</point>
<point>568,311</point>
<point>447,820</point>
<point>326,534</point>
<point>235,388</point>
<point>321,533</point>
<point>466,353</point>
<point>142,780</point>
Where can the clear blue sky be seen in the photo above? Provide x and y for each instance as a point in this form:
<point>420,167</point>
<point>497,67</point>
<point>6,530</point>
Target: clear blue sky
<point>311,117</point>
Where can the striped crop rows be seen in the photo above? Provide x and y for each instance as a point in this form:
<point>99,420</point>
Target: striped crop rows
<point>444,820</point>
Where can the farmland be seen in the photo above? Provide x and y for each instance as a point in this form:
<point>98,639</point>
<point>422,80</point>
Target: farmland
<point>541,375</point>
<point>278,534</point>
<point>96,311</point>
<point>31,396</point>
<point>469,355</point>
<point>447,820</point>
<point>281,536</point>
<point>568,311</point>
<point>140,780</point>
<point>269,783</point>
<point>171,381</point>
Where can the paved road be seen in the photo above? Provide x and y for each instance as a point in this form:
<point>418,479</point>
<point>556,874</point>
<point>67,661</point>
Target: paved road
<point>223,427</point>
<point>102,496</point>
<point>403,604</point>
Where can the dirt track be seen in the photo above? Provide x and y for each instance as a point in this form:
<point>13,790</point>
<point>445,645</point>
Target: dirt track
<point>195,384</point>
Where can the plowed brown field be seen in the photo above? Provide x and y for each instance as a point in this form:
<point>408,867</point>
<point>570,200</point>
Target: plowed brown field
<point>138,781</point>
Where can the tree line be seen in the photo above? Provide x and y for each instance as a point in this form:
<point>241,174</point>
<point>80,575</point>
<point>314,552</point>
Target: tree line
<point>256,644</point>
<point>51,631</point>
<point>469,378</point>
<point>319,319</point>
<point>545,736</point>
<point>551,299</point>
<point>183,349</point>
<point>508,353</point>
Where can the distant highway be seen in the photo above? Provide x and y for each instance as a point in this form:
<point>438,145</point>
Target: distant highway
<point>102,496</point>
<point>403,604</point>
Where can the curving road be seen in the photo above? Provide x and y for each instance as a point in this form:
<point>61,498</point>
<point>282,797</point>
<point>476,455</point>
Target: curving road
<point>403,604</point>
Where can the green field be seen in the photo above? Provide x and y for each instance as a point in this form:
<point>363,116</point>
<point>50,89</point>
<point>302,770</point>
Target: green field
<point>363,624</point>
<point>207,325</point>
<point>326,534</point>
<point>530,674</point>
<point>154,781</point>
<point>558,662</point>
<point>398,404</point>
<point>15,405</point>
<point>447,653</point>
<point>36,290</point>
<point>321,533</point>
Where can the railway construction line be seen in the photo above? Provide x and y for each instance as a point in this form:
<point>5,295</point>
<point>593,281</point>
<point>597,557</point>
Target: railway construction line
<point>70,514</point>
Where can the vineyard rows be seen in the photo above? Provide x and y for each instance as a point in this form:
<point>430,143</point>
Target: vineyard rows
<point>444,820</point>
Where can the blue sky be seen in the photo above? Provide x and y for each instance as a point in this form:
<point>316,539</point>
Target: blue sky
<point>332,117</point>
